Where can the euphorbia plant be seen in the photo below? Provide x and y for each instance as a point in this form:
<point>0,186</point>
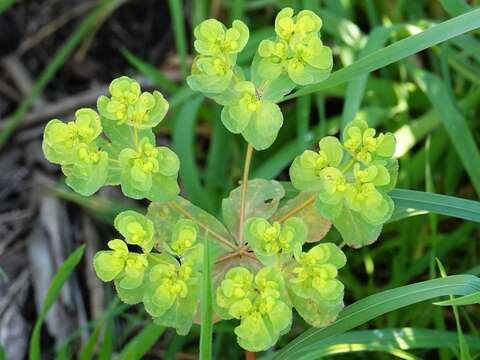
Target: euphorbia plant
<point>266,261</point>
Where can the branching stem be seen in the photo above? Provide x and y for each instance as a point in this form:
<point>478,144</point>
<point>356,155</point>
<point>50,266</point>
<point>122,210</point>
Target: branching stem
<point>243,194</point>
<point>297,209</point>
<point>216,235</point>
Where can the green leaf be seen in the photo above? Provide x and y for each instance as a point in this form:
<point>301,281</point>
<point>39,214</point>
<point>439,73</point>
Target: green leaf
<point>166,214</point>
<point>381,303</point>
<point>437,204</point>
<point>453,121</point>
<point>397,51</point>
<point>304,209</point>
<point>385,340</point>
<point>207,308</point>
<point>153,73</point>
<point>184,144</point>
<point>106,348</point>
<point>261,200</point>
<point>356,88</point>
<point>89,347</point>
<point>355,231</point>
<point>178,22</point>
<point>141,343</point>
<point>263,128</point>
<point>62,275</point>
<point>470,299</point>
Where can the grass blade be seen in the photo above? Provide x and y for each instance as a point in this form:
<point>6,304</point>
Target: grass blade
<point>397,51</point>
<point>386,340</point>
<point>56,285</point>
<point>436,203</point>
<point>153,73</point>
<point>176,11</point>
<point>453,121</point>
<point>463,300</point>
<point>184,142</point>
<point>53,66</point>
<point>106,348</point>
<point>381,303</point>
<point>89,347</point>
<point>141,343</point>
<point>356,88</point>
<point>206,325</point>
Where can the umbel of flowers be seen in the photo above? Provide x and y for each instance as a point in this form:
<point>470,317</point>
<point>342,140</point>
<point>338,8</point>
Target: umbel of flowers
<point>157,259</point>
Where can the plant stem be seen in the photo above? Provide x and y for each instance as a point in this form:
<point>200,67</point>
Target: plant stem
<point>249,355</point>
<point>246,170</point>
<point>297,209</point>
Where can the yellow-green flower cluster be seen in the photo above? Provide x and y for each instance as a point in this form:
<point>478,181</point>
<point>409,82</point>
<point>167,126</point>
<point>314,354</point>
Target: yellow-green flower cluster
<point>316,293</point>
<point>129,105</point>
<point>184,237</point>
<point>354,175</point>
<point>164,283</point>
<point>214,67</point>
<point>260,302</point>
<point>126,268</point>
<point>297,49</point>
<point>274,242</point>
<point>125,155</point>
<point>74,146</point>
<point>257,119</point>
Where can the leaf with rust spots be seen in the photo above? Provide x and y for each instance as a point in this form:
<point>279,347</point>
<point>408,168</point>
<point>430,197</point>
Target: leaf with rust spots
<point>262,199</point>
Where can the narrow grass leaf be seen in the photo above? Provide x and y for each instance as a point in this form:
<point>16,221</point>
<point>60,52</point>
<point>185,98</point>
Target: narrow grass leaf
<point>106,347</point>
<point>464,349</point>
<point>87,351</point>
<point>453,121</point>
<point>470,299</point>
<point>356,88</point>
<point>184,142</point>
<point>381,303</point>
<point>386,340</point>
<point>436,203</point>
<point>141,343</point>
<point>148,70</point>
<point>177,14</point>
<point>53,291</point>
<point>207,308</point>
<point>397,51</point>
<point>51,69</point>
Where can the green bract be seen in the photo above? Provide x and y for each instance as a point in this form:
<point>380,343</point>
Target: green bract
<point>257,120</point>
<point>129,105</point>
<point>136,229</point>
<point>315,292</point>
<point>171,292</point>
<point>297,50</point>
<point>120,265</point>
<point>306,168</point>
<point>351,180</point>
<point>268,241</point>
<point>73,145</point>
<point>260,305</point>
<point>214,69</point>
<point>361,143</point>
<point>184,237</point>
<point>212,37</point>
<point>149,172</point>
